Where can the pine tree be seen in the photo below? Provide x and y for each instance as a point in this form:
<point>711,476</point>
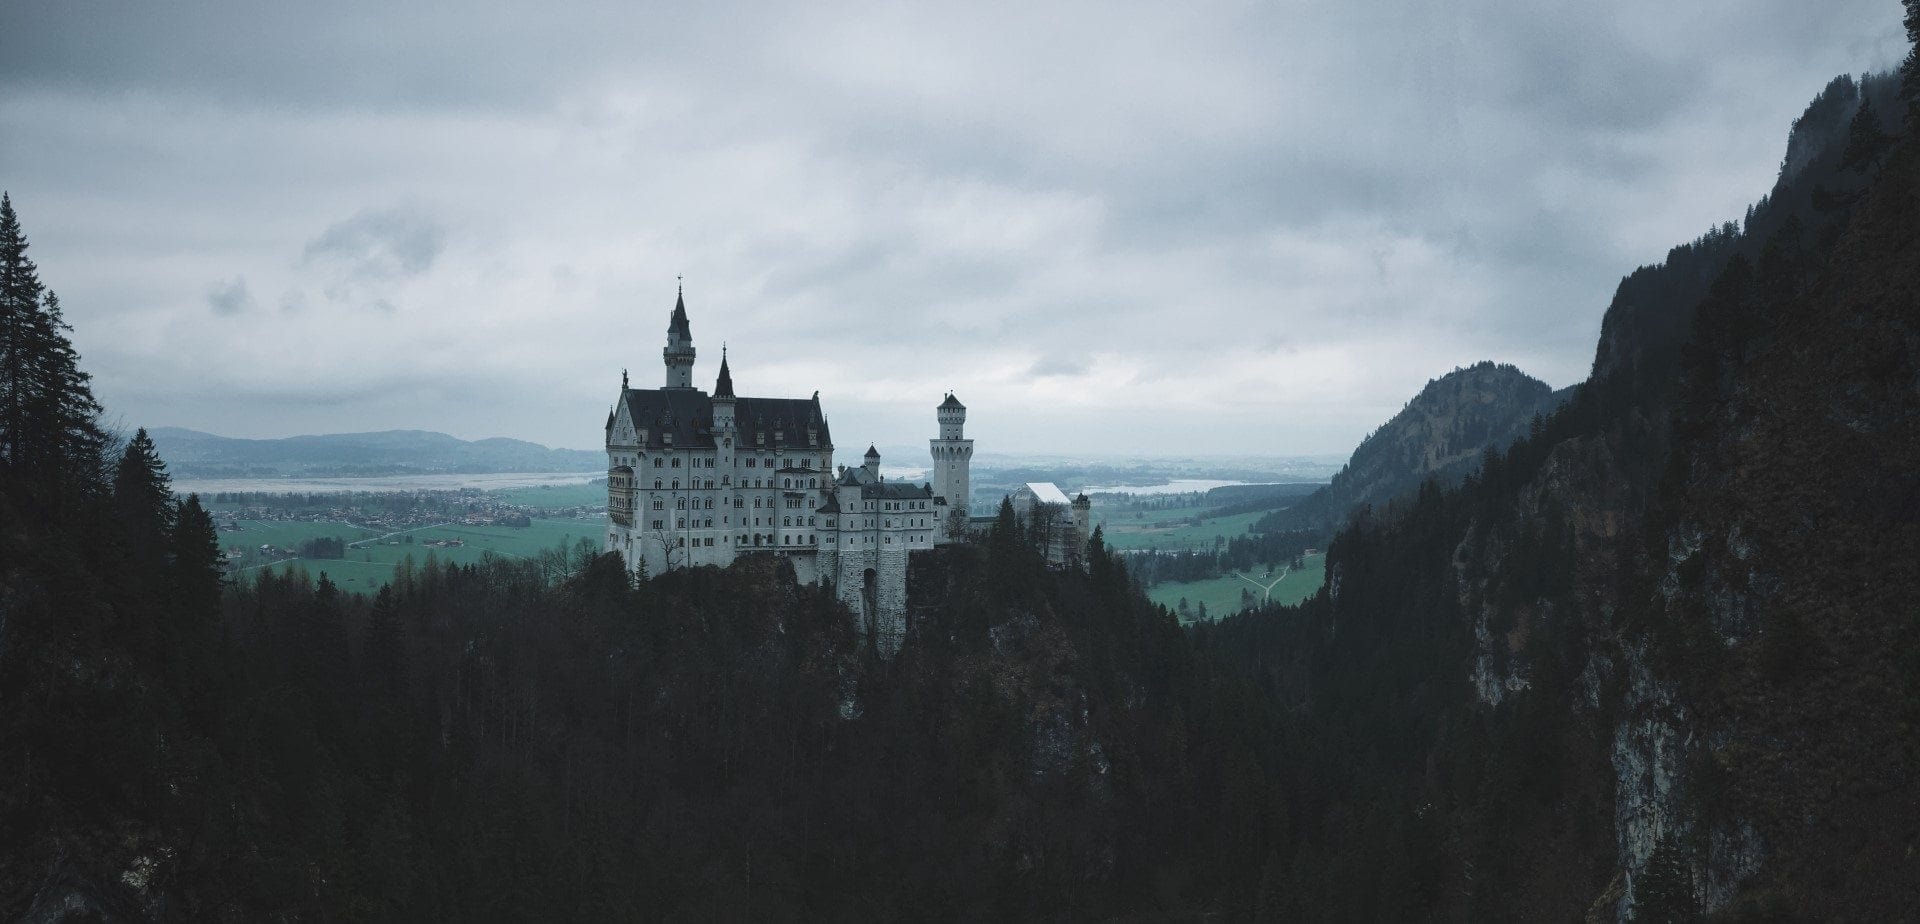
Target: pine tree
<point>50,440</point>
<point>1866,142</point>
<point>1910,70</point>
<point>20,291</point>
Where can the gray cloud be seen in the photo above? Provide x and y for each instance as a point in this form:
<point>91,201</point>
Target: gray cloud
<point>1273,218</point>
<point>229,297</point>
<point>1059,365</point>
<point>379,245</point>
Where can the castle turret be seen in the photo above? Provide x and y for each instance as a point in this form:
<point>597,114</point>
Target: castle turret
<point>679,351</point>
<point>1083,516</point>
<point>952,461</point>
<point>873,462</point>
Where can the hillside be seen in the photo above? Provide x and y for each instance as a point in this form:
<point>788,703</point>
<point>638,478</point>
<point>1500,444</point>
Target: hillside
<point>191,453</point>
<point>1658,658</point>
<point>1440,434</point>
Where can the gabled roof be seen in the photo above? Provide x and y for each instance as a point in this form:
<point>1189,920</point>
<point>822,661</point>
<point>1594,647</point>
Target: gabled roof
<point>894,490</point>
<point>687,413</point>
<point>1046,492</point>
<point>952,402</point>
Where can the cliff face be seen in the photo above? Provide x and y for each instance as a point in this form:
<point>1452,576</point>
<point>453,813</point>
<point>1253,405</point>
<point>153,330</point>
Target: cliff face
<point>1659,658</point>
<point>1441,433</point>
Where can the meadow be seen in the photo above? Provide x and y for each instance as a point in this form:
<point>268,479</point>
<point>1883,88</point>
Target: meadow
<point>1170,529</point>
<point>1222,594</point>
<point>369,562</point>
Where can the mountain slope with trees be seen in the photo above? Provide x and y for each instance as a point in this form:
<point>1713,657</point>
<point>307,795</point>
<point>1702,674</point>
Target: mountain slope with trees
<point>1657,658</point>
<point>1441,434</point>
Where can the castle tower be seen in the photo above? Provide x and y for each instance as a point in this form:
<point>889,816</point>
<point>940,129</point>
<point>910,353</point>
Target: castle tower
<point>1082,519</point>
<point>952,460</point>
<point>873,462</point>
<point>679,351</point>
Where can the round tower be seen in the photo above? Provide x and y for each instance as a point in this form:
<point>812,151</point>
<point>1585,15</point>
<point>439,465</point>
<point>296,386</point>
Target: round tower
<point>952,459</point>
<point>679,351</point>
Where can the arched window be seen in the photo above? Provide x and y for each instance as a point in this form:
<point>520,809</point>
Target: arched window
<point>786,521</point>
<point>786,482</point>
<point>676,484</point>
<point>656,484</point>
<point>657,461</point>
<point>676,462</point>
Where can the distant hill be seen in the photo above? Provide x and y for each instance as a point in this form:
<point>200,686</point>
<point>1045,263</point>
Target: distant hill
<point>1441,432</point>
<point>192,453</point>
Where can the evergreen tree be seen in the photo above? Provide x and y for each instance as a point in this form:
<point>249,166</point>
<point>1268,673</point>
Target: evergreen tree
<point>1866,142</point>
<point>50,441</point>
<point>1910,70</point>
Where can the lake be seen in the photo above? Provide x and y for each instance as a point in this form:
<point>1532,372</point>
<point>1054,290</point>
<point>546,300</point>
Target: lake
<point>382,483</point>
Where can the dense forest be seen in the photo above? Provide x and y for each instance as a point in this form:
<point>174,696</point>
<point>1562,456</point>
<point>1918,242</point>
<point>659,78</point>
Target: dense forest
<point>1656,659</point>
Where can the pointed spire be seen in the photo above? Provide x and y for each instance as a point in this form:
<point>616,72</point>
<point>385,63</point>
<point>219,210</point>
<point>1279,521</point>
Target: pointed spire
<point>623,380</point>
<point>724,387</point>
<point>679,323</point>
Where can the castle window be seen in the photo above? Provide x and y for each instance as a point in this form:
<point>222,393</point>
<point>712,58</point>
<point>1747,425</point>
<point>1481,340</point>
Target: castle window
<point>657,461</point>
<point>813,540</point>
<point>786,482</point>
<point>680,523</point>
<point>656,482</point>
<point>680,543</point>
<point>739,503</point>
<point>709,505</point>
<point>676,462</point>
<point>676,484</point>
<point>659,504</point>
<point>752,463</point>
<point>658,524</point>
<point>786,521</point>
<point>709,525</point>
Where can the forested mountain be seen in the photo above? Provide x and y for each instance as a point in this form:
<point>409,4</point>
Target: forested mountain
<point>1440,434</point>
<point>191,453</point>
<point>1660,657</point>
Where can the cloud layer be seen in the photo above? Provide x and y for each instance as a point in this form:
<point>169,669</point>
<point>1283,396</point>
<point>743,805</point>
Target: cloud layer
<point>1109,227</point>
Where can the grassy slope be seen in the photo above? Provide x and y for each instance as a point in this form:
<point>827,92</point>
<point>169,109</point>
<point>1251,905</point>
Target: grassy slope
<point>1222,594</point>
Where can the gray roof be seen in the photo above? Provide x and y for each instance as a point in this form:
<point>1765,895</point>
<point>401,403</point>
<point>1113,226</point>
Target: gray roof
<point>678,324</point>
<point>894,490</point>
<point>687,413</point>
<point>952,402</point>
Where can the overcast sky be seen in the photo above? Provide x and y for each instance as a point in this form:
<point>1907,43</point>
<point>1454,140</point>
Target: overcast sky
<point>1130,228</point>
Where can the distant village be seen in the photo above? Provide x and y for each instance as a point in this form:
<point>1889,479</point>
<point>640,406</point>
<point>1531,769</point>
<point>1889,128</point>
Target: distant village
<point>390,514</point>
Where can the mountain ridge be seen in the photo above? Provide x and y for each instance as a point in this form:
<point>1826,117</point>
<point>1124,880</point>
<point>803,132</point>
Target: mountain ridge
<point>191,453</point>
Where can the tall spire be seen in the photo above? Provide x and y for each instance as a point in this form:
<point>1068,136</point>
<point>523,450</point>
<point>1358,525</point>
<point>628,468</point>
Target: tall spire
<point>679,323</point>
<point>679,352</point>
<point>724,387</point>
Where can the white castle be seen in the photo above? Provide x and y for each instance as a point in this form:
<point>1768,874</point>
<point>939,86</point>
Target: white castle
<point>697,479</point>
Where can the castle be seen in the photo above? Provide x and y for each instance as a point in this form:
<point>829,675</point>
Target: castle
<point>697,479</point>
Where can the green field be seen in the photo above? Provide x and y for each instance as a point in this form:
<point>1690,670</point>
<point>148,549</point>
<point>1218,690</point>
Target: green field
<point>553,495</point>
<point>1169,530</point>
<point>369,564</point>
<point>1222,594</point>
<point>287,535</point>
